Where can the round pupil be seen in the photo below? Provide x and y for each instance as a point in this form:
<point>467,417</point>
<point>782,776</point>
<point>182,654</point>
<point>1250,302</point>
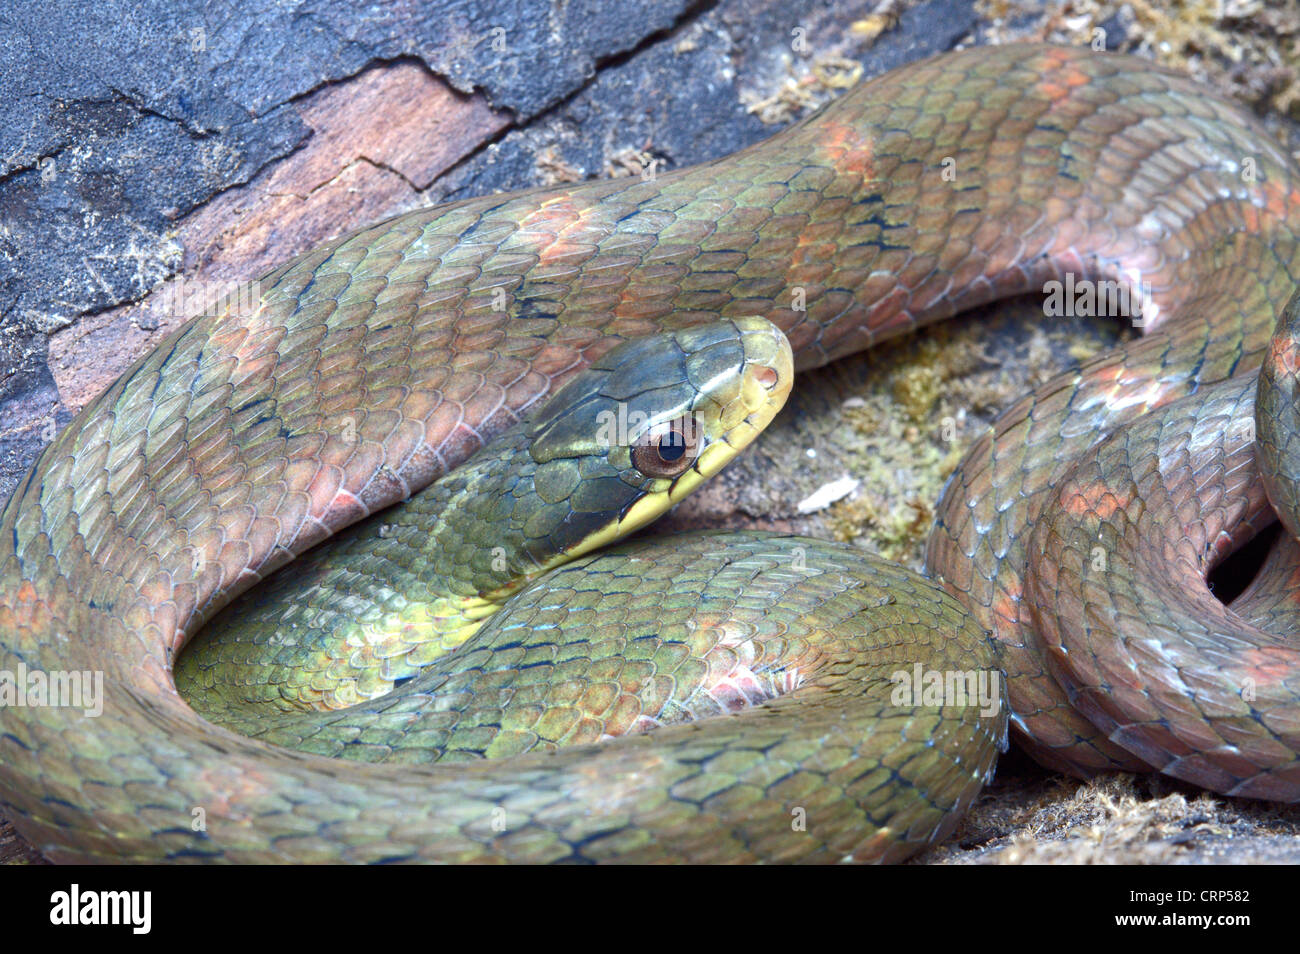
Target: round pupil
<point>671,446</point>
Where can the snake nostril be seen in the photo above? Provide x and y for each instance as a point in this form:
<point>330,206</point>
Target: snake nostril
<point>768,377</point>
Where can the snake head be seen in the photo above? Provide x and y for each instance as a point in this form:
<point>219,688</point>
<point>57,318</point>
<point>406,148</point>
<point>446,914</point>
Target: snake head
<point>649,421</point>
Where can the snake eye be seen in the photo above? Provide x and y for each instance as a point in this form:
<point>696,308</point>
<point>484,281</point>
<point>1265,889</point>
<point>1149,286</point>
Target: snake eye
<point>667,450</point>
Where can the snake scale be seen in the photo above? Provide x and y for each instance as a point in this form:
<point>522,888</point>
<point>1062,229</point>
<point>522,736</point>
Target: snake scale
<point>1078,531</point>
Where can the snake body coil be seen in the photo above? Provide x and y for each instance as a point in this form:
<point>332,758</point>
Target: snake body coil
<point>377,363</point>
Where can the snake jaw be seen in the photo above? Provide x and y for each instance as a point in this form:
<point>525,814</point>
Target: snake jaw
<point>730,412</point>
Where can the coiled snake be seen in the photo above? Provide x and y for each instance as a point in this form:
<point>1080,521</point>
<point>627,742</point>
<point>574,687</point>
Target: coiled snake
<point>378,363</point>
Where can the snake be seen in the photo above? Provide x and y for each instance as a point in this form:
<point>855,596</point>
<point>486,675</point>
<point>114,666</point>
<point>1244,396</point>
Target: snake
<point>376,366</point>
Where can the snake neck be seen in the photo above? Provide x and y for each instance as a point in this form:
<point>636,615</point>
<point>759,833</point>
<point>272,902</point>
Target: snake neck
<point>390,595</point>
